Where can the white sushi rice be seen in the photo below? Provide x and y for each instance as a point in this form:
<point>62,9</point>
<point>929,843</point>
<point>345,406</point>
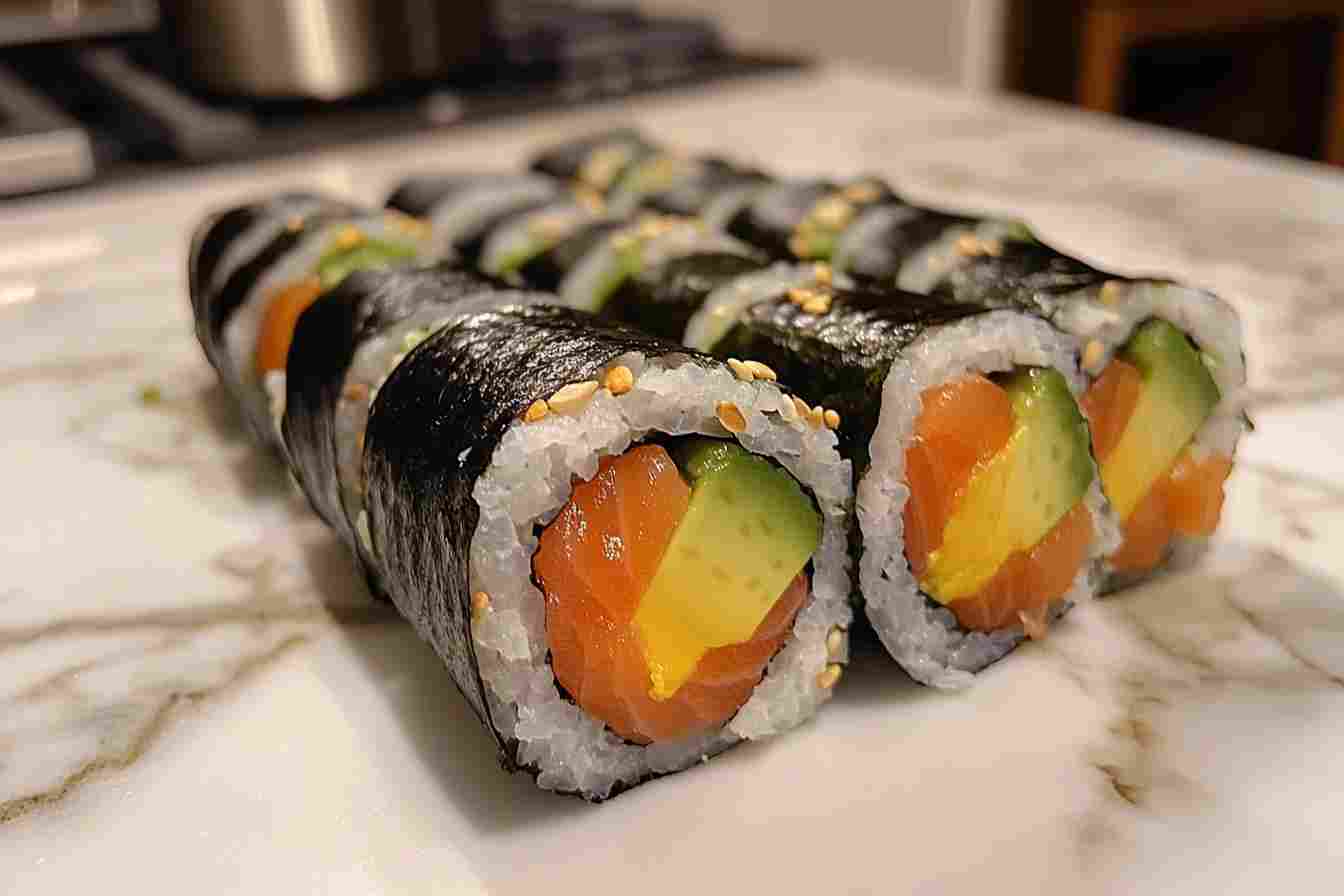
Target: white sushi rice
<point>530,480</point>
<point>925,269</point>
<point>722,307</point>
<point>922,637</point>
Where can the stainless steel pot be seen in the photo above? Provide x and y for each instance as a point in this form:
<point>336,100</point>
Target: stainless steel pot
<point>325,48</point>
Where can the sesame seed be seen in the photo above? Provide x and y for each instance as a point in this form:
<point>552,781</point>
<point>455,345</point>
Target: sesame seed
<point>816,417</point>
<point>827,678</point>
<point>821,271</point>
<point>831,418</point>
<point>1092,354</point>
<point>480,602</point>
<point>1110,292</point>
<point>572,397</point>
<point>832,212</point>
<point>968,245</point>
<point>294,224</point>
<point>801,295</point>
<point>740,370</point>
<point>412,227</point>
<point>992,247</point>
<point>818,304</point>
<point>546,227</point>
<point>835,641</point>
<point>730,416</point>
<point>865,191</point>
<point>589,198</point>
<point>618,380</point>
<point>348,237</point>
<point>798,246</point>
<point>787,409</point>
<point>537,410</point>
<point>761,371</point>
<point>801,407</point>
<point>355,391</point>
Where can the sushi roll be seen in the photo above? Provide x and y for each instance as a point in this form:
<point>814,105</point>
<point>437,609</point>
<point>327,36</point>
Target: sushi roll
<point>343,348</point>
<point>980,516</point>
<point>464,209</point>
<point>516,243</point>
<point>803,219</point>
<point>674,184</point>
<point>1164,362</point>
<point>543,496</point>
<point>598,162</point>
<point>642,248</point>
<point>255,268</point>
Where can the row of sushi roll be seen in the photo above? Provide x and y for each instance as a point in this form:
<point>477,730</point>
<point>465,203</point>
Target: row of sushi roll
<point>632,547</point>
<point>634,231</point>
<point>628,557</point>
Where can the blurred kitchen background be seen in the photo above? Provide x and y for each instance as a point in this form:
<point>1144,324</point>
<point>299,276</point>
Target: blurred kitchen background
<point>98,90</point>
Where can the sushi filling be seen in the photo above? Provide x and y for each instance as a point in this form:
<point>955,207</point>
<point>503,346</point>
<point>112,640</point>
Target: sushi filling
<point>996,528</point>
<point>1146,408</point>
<point>351,250</point>
<point>670,579</point>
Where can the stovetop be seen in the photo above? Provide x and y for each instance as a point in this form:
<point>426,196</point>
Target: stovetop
<point>97,112</point>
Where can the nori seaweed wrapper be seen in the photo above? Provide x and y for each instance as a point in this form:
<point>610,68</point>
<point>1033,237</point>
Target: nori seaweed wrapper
<point>566,161</point>
<point>419,197</point>
<point>691,195</point>
<point>327,336</point>
<point>769,220</point>
<point>432,432</point>
<point>905,230</point>
<point>661,299</point>
<point>1023,274</point>
<point>548,269</point>
<point>773,217</point>
<point>212,307</point>
<point>841,358</point>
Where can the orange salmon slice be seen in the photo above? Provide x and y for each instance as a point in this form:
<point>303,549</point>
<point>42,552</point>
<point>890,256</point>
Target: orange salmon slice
<point>594,562</point>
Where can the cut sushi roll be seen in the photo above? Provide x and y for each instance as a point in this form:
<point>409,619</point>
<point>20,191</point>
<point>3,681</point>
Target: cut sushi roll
<point>520,240</point>
<point>543,497</point>
<point>598,161</point>
<point>464,209</point>
<point>804,219</point>
<point>343,348</point>
<point>642,247</point>
<point>980,513</point>
<point>576,484</point>
<point>673,184</point>
<point>256,268</point>
<point>1165,365</point>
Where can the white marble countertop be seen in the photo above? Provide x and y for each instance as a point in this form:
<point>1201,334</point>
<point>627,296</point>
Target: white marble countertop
<point>196,695</point>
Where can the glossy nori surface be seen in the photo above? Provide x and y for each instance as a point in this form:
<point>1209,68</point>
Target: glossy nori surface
<point>1026,275</point>
<point>690,196</point>
<point>840,359</point>
<point>661,300</point>
<point>566,160</point>
<point>771,218</point>
<point>547,269</point>
<point>325,341</point>
<point>907,230</point>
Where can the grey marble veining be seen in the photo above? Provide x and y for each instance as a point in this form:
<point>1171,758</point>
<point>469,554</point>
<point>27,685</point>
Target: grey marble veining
<point>197,693</point>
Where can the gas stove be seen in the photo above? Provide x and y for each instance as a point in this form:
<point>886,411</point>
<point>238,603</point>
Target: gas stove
<point>94,111</point>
